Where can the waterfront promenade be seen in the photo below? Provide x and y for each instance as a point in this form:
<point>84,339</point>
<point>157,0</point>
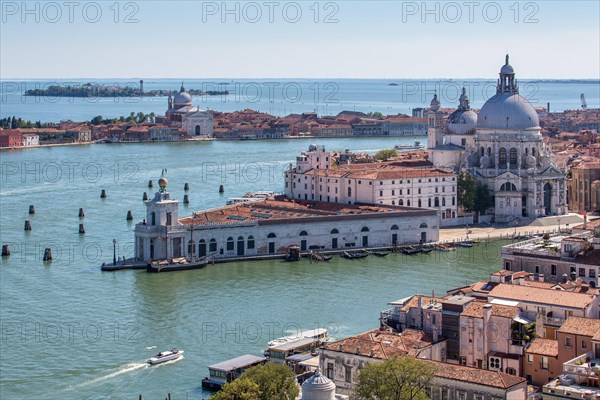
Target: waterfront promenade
<point>540,225</point>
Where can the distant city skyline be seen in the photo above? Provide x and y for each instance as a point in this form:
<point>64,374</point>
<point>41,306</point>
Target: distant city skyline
<point>343,39</point>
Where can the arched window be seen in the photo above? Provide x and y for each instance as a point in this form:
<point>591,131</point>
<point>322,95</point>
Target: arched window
<point>197,130</point>
<point>419,203</point>
<point>482,151</point>
<point>502,156</point>
<point>334,231</point>
<point>364,229</point>
<point>489,151</point>
<point>443,201</point>
<point>191,247</point>
<point>250,244</point>
<point>393,202</point>
<point>513,156</point>
<point>303,233</point>
<point>423,225</point>
<point>408,203</point>
<point>212,245</point>
<point>394,227</point>
<point>508,187</point>
<point>349,192</point>
<point>436,202</point>
<point>453,200</point>
<point>400,202</point>
<point>533,151</point>
<point>201,248</point>
<point>229,243</point>
<point>271,235</point>
<point>429,202</point>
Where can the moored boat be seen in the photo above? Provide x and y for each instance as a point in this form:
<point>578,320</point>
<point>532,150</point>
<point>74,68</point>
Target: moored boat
<point>165,356</point>
<point>410,250</point>
<point>176,264</point>
<point>466,243</point>
<point>352,255</point>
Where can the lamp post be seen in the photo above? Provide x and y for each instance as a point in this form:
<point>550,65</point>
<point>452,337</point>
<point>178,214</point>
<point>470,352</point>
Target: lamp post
<point>114,251</point>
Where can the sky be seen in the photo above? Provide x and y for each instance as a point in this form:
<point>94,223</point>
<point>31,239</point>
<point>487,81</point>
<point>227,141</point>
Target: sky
<point>298,39</point>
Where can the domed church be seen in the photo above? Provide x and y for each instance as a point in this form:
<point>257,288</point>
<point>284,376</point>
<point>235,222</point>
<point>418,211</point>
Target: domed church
<point>195,121</point>
<point>502,147</point>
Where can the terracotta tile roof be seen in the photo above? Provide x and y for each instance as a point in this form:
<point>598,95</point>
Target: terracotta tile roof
<point>541,296</point>
<point>414,302</point>
<point>382,344</point>
<point>477,376</point>
<point>581,326</point>
<point>545,347</point>
<point>475,310</point>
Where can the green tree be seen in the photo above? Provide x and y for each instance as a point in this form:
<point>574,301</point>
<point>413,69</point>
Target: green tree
<point>398,378</point>
<point>385,154</point>
<point>97,120</point>
<point>275,381</point>
<point>240,389</point>
<point>466,190</point>
<point>483,198</point>
<point>375,114</point>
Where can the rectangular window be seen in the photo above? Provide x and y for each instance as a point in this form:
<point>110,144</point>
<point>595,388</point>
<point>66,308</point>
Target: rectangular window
<point>445,394</point>
<point>530,358</point>
<point>168,219</point>
<point>568,341</point>
<point>582,272</point>
<point>592,273</point>
<point>380,193</point>
<point>348,375</point>
<point>329,371</point>
<point>461,395</point>
<point>478,397</point>
<point>544,362</point>
<point>583,344</point>
<point>553,269</point>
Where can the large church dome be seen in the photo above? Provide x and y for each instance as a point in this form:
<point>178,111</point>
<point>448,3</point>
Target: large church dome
<point>182,98</point>
<point>507,110</point>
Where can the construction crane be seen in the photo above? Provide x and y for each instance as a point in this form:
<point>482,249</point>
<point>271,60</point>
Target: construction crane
<point>583,103</point>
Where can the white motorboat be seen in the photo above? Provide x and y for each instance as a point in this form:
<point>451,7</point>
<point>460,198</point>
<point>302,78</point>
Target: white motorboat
<point>416,146</point>
<point>164,356</point>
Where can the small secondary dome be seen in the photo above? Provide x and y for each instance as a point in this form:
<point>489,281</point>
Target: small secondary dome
<point>318,387</point>
<point>507,69</point>
<point>312,147</point>
<point>463,120</point>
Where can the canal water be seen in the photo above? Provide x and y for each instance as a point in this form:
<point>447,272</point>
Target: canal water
<point>70,331</point>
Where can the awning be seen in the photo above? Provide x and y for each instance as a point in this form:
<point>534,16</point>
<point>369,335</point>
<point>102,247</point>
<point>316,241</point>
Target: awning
<point>521,320</point>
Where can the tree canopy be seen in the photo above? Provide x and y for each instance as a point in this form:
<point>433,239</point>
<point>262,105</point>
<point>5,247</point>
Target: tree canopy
<point>472,195</point>
<point>385,154</point>
<point>398,378</point>
<point>240,389</point>
<point>268,381</point>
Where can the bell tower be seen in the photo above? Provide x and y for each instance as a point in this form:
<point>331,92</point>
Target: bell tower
<point>435,124</point>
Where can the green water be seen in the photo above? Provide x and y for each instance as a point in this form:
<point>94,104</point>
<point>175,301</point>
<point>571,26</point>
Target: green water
<point>70,331</point>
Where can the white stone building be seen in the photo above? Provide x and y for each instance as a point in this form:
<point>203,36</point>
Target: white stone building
<point>271,226</point>
<point>502,147</point>
<point>314,178</point>
<point>195,121</point>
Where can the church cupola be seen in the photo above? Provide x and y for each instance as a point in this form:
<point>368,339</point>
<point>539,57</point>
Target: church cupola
<point>464,102</point>
<point>507,82</point>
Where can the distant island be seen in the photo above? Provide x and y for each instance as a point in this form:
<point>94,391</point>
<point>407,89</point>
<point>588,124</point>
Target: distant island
<point>92,90</point>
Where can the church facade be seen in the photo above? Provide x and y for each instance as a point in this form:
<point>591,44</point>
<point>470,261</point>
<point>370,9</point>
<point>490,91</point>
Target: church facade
<point>502,147</point>
<point>194,120</point>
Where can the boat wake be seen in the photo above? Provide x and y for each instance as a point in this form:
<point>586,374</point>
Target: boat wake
<point>150,347</point>
<point>123,369</point>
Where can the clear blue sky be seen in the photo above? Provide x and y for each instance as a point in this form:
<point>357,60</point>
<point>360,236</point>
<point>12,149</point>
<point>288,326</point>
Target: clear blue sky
<point>363,39</point>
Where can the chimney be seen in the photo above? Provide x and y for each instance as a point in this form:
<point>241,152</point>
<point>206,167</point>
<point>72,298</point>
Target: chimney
<point>541,277</point>
<point>487,313</point>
